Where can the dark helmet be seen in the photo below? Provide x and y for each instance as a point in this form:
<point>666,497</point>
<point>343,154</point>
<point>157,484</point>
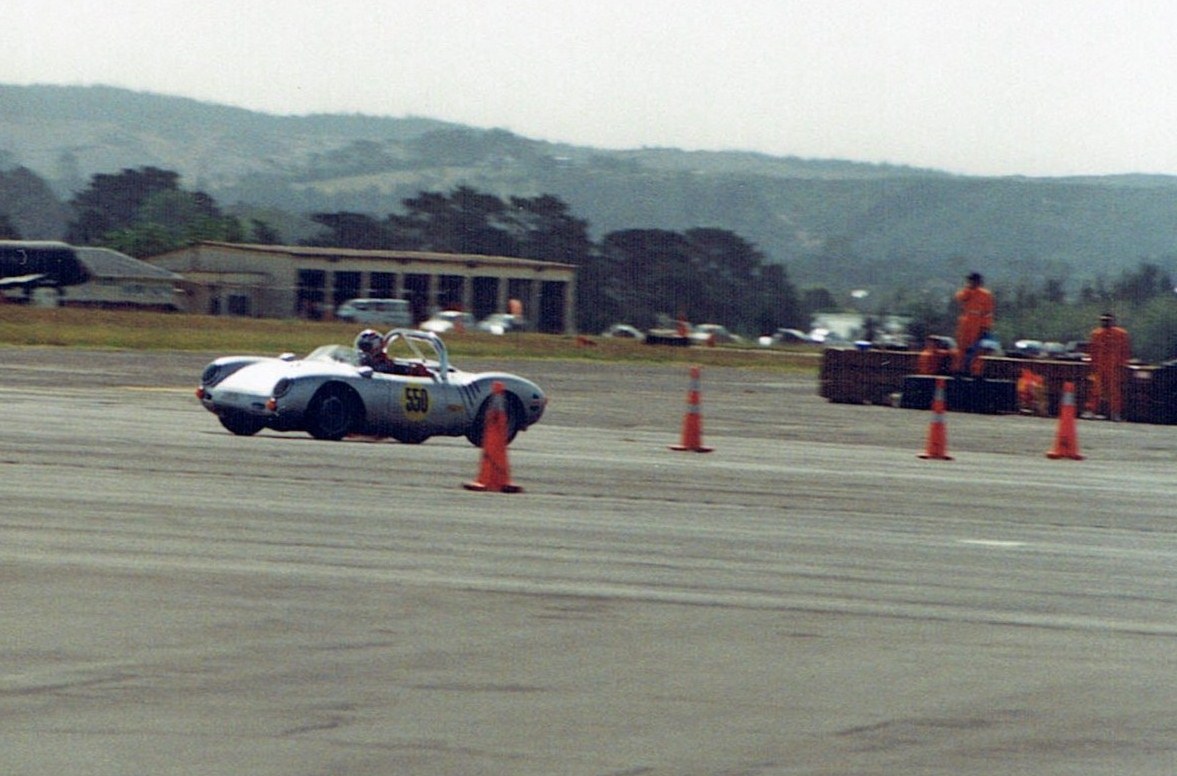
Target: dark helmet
<point>369,341</point>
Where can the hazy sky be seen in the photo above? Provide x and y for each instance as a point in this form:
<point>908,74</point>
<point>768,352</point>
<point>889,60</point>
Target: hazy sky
<point>990,87</point>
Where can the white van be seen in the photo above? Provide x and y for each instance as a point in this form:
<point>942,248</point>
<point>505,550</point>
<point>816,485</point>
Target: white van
<point>376,312</point>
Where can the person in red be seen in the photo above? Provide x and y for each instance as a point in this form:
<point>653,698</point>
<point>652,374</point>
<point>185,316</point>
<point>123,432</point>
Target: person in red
<point>976,319</point>
<point>934,358</point>
<point>1110,353</point>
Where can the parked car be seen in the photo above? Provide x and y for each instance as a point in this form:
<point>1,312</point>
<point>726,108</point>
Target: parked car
<point>1032,348</point>
<point>376,312</point>
<point>713,333</point>
<point>1054,349</point>
<point>624,331</point>
<point>449,320</point>
<point>892,342</point>
<point>1026,348</point>
<point>790,337</point>
<point>502,323</point>
<point>1077,350</point>
<point>828,338</point>
<point>329,395</point>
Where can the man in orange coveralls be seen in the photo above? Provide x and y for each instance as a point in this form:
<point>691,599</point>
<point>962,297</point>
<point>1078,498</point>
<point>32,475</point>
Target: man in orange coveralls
<point>976,319</point>
<point>935,358</point>
<point>1110,353</point>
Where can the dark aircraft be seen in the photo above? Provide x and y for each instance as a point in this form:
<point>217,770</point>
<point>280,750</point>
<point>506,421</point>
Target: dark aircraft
<point>29,264</point>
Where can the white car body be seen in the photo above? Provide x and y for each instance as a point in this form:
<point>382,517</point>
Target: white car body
<point>330,395</point>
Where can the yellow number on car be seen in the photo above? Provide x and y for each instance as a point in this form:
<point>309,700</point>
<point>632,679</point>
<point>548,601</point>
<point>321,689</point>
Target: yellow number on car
<point>416,402</point>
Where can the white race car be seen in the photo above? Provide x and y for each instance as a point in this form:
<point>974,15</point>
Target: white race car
<point>415,394</point>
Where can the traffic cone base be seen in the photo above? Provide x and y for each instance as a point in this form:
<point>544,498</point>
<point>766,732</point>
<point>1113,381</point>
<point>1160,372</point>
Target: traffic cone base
<point>1066,440</point>
<point>692,435</point>
<point>494,474</point>
<point>481,488</point>
<point>1063,452</point>
<point>936,445</point>
<point>936,448</point>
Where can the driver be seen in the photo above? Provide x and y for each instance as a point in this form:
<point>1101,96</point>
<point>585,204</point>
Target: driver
<point>370,344</point>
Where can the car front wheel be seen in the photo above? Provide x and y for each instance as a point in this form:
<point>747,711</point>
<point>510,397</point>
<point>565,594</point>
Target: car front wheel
<point>241,423</point>
<point>332,413</point>
<point>514,419</point>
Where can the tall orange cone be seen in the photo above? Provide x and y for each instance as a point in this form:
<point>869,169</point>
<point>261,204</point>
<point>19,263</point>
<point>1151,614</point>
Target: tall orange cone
<point>937,445</point>
<point>692,422</point>
<point>495,472</point>
<point>1066,440</point>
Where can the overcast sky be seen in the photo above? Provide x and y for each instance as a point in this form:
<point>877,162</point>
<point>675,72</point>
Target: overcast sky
<point>985,87</point>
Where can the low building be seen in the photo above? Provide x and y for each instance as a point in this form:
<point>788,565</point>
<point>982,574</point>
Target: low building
<point>287,281</point>
<point>118,280</point>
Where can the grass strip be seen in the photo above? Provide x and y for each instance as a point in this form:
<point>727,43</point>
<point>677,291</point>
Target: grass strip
<point>25,326</point>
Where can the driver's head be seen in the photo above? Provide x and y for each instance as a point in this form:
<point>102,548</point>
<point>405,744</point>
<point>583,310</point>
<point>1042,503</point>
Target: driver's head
<point>369,342</point>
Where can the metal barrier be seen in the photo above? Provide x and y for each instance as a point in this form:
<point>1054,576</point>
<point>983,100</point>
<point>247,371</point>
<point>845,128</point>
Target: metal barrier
<point>853,376</point>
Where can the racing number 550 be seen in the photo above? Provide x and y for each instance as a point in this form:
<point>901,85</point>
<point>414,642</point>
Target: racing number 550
<point>416,402</point>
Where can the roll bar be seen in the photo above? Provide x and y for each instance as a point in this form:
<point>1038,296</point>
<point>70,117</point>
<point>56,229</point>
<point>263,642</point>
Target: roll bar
<point>414,338</point>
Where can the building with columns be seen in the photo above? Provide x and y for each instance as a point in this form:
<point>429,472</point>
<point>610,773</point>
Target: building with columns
<point>292,281</point>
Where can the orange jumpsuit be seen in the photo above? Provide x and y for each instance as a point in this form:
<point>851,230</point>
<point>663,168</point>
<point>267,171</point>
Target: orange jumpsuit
<point>930,360</point>
<point>976,318</point>
<point>1110,353</point>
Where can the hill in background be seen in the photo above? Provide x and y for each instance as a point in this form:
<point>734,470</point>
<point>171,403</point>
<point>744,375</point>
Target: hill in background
<point>836,224</point>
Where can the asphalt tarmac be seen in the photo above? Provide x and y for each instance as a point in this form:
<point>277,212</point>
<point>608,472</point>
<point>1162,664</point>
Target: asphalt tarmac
<point>809,598</point>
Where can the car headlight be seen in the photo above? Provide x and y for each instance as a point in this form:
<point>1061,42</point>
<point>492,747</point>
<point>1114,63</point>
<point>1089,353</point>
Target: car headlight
<point>210,375</point>
<point>282,387</point>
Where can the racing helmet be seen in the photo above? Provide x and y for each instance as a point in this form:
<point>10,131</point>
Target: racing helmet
<point>369,341</point>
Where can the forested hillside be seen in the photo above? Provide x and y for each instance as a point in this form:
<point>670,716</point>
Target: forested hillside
<point>836,224</point>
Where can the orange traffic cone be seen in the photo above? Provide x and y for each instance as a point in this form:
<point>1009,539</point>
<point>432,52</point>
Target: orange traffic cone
<point>1066,440</point>
<point>495,472</point>
<point>692,422</point>
<point>937,445</point>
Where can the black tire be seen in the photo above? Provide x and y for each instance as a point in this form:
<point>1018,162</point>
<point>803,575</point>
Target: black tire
<point>514,419</point>
<point>241,423</point>
<point>409,436</point>
<point>333,413</point>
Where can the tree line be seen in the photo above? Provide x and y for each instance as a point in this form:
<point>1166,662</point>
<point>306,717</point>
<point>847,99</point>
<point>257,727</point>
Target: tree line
<point>634,275</point>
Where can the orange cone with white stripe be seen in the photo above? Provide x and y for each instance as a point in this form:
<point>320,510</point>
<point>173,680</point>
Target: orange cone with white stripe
<point>495,473</point>
<point>1066,440</point>
<point>692,422</point>
<point>937,445</point>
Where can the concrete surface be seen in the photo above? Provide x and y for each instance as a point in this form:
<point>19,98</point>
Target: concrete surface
<point>810,598</point>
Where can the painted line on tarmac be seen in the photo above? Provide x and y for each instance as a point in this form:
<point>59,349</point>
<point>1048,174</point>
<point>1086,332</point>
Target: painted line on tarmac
<point>991,543</point>
<point>153,389</point>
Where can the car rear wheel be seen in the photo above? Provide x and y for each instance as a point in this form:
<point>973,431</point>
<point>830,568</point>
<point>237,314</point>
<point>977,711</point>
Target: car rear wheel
<point>241,423</point>
<point>514,419</point>
<point>332,414</point>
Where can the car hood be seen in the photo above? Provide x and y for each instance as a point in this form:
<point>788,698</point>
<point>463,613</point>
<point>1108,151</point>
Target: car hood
<point>260,377</point>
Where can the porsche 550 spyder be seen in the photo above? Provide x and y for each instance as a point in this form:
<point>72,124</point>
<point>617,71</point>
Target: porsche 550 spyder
<point>413,394</point>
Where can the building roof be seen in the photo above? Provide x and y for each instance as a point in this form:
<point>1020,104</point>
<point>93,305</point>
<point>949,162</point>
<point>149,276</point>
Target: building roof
<point>42,244</point>
<point>313,252</point>
<point>107,263</point>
